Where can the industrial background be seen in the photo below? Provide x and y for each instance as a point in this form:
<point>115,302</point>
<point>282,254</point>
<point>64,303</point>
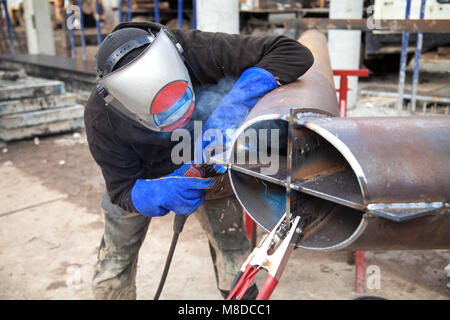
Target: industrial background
<point>388,59</point>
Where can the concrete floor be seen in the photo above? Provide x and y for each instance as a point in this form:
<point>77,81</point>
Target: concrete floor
<point>51,224</point>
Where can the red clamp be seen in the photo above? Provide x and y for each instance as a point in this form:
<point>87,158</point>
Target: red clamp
<point>271,254</point>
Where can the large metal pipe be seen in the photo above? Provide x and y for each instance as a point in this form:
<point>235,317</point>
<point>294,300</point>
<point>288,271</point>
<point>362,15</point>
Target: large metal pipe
<point>314,90</point>
<point>393,174</point>
<point>358,183</point>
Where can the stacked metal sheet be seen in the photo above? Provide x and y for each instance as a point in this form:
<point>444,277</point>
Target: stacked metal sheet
<point>32,107</point>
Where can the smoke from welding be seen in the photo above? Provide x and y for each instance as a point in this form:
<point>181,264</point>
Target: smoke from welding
<point>209,96</point>
<point>259,144</point>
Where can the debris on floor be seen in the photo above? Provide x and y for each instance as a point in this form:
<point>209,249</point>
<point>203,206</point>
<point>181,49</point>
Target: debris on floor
<point>376,107</point>
<point>380,93</point>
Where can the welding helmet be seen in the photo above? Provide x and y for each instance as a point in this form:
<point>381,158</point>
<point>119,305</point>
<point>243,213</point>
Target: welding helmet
<point>152,88</point>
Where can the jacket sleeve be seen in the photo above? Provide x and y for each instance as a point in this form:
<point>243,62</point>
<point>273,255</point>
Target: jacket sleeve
<point>214,56</point>
<point>119,163</point>
<point>285,58</point>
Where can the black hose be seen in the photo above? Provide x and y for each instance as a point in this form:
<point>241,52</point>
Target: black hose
<point>195,170</point>
<point>370,298</point>
<point>178,225</point>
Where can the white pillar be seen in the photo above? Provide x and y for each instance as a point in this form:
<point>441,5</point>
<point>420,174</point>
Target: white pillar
<point>345,45</point>
<point>109,13</point>
<point>39,27</point>
<point>249,4</point>
<point>218,15</point>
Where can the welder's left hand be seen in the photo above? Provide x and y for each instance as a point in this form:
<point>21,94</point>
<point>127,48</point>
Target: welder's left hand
<point>252,85</point>
<point>157,197</point>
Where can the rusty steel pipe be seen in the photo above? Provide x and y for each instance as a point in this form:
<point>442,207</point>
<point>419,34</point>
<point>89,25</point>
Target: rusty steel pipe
<point>394,173</point>
<point>358,183</point>
<point>397,160</point>
<point>304,92</point>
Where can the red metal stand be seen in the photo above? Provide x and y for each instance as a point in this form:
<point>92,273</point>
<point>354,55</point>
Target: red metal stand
<point>343,86</point>
<point>360,272</point>
<point>250,227</point>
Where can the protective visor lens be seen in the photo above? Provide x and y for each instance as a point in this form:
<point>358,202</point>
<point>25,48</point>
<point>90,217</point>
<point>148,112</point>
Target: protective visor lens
<point>171,103</point>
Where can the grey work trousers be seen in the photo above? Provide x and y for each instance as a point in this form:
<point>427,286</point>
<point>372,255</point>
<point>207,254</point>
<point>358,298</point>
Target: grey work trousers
<point>115,272</point>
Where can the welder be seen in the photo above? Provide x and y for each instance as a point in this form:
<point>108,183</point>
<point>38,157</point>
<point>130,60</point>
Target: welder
<point>148,81</point>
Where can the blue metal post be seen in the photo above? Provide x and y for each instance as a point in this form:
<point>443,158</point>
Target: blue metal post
<point>128,10</point>
<point>97,22</point>
<point>71,34</point>
<point>404,55</point>
<point>119,9</point>
<point>419,42</point>
<point>83,40</point>
<point>156,4</point>
<point>180,14</point>
<point>19,44</point>
<point>9,26</point>
<point>194,14</point>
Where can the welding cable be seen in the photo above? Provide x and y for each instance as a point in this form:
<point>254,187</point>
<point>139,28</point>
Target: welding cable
<point>242,282</point>
<point>178,225</point>
<point>248,281</point>
<point>193,171</point>
<point>370,298</point>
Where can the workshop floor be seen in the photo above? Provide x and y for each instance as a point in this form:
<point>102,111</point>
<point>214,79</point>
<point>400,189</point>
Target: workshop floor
<point>51,224</point>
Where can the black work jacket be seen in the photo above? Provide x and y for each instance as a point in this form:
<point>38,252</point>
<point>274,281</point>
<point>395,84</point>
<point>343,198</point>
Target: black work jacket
<point>126,151</point>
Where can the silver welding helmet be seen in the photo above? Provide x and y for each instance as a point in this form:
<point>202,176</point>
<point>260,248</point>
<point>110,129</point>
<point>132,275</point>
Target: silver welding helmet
<point>155,88</point>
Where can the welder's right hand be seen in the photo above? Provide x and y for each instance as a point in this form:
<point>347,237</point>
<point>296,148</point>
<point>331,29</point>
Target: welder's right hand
<point>157,197</point>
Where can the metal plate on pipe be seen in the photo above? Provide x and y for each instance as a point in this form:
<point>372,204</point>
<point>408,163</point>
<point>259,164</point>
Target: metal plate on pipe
<point>339,187</point>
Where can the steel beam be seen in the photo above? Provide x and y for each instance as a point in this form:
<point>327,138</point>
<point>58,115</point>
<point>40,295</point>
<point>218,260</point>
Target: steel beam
<point>411,25</point>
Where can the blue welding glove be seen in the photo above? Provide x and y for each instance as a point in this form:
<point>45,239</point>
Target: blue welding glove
<point>252,85</point>
<point>174,192</point>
